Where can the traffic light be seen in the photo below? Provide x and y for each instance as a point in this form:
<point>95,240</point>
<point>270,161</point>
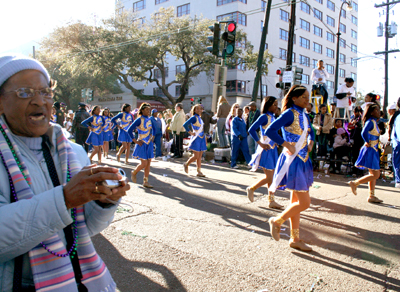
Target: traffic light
<point>297,75</point>
<point>192,101</point>
<point>214,49</point>
<point>229,36</point>
<point>279,84</point>
<point>83,93</point>
<point>90,94</point>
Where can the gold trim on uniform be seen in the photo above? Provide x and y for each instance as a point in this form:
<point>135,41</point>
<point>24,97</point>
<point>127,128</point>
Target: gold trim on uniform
<point>295,128</point>
<point>298,155</point>
<point>197,124</point>
<point>375,130</point>
<point>373,143</point>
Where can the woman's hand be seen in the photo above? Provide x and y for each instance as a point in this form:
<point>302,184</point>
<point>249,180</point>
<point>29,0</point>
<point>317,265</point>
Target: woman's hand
<point>139,142</point>
<point>191,133</point>
<point>289,147</point>
<point>367,144</point>
<point>264,146</point>
<point>310,146</point>
<point>87,186</point>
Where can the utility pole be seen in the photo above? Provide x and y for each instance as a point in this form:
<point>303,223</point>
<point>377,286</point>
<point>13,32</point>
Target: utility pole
<point>261,52</point>
<point>292,23</point>
<point>388,34</point>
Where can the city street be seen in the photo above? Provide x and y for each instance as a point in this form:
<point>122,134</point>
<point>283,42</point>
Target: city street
<point>202,234</point>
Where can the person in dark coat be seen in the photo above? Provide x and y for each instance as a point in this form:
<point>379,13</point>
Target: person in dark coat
<point>81,133</point>
<point>59,114</point>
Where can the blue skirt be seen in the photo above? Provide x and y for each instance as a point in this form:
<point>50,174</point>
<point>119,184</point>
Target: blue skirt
<point>123,136</point>
<point>198,144</point>
<point>368,158</point>
<point>299,177</point>
<point>269,159</point>
<point>143,152</point>
<point>95,139</point>
<point>108,136</point>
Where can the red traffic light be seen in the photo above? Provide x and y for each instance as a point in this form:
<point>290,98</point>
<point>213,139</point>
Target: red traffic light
<point>192,99</point>
<point>231,27</point>
<point>278,72</point>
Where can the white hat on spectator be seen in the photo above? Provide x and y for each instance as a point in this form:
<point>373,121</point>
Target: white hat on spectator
<point>392,106</point>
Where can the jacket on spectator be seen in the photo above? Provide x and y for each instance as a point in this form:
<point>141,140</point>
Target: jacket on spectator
<point>328,123</point>
<point>207,120</point>
<point>177,122</point>
<point>238,127</point>
<point>223,110</point>
<point>157,124</point>
<point>340,141</point>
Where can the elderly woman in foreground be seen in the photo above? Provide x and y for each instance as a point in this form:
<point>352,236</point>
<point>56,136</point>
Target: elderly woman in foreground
<point>51,199</point>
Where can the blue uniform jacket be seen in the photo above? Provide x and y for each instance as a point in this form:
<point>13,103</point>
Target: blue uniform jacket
<point>157,125</point>
<point>238,127</point>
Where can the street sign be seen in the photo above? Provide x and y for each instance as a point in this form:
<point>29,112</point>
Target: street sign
<point>287,77</point>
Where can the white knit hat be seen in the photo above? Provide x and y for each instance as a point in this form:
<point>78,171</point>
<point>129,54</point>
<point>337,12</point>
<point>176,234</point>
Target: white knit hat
<point>392,106</point>
<point>13,63</point>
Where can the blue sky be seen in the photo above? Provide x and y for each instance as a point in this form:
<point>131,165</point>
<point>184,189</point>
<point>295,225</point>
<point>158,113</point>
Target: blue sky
<point>24,23</point>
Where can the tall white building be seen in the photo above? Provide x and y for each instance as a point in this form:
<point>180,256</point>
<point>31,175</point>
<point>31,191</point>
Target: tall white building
<point>315,38</point>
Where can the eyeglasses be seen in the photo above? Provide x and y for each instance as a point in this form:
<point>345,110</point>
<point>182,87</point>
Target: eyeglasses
<point>30,92</point>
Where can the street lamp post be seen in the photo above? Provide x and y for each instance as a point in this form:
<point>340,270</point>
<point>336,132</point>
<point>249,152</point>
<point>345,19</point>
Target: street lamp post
<point>349,7</point>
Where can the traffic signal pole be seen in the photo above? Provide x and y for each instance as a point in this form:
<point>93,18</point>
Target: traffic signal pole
<point>261,52</point>
<point>292,23</point>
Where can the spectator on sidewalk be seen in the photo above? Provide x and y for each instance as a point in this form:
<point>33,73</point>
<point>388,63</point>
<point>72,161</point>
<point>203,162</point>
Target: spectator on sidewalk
<point>228,123</point>
<point>341,149</point>
<point>322,123</point>
<point>393,112</point>
<point>178,130</point>
<point>254,114</point>
<point>59,114</point>
<point>333,132</point>
<point>239,139</point>
<point>319,76</point>
<point>355,129</point>
<point>344,94</point>
<point>78,130</point>
<point>222,113</point>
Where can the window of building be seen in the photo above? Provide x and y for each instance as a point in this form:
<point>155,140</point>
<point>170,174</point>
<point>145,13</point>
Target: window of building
<point>330,5</point>
<point>178,89</point>
<point>183,10</point>
<point>139,5</point>
<point>318,31</point>
<point>282,54</point>
<point>355,6</point>
<point>305,79</point>
<point>342,73</point>
<point>180,69</point>
<point>353,34</point>
<point>330,53</point>
<point>160,1</point>
<point>314,63</point>
<point>305,43</point>
<point>342,28</point>
<point>330,37</point>
<point>317,14</point>
<point>120,10</point>
<point>319,1</point>
<point>354,20</point>
<point>343,43</point>
<point>353,48</point>
<point>354,76</point>
<point>236,86</point>
<point>263,5</point>
<point>353,62</point>
<point>304,25</point>
<point>222,2</point>
<point>329,84</point>
<point>294,58</point>
<point>342,58</point>
<point>343,13</point>
<point>283,34</point>
<point>158,92</point>
<point>330,69</point>
<point>305,61</point>
<point>240,18</point>
<point>157,73</point>
<point>317,48</point>
<point>305,7</point>
<point>284,15</point>
<point>139,21</point>
<point>330,21</point>
<point>264,90</point>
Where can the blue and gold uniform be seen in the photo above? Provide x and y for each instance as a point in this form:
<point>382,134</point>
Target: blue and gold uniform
<point>145,128</point>
<point>96,136</point>
<point>126,121</point>
<point>269,157</point>
<point>300,174</point>
<point>369,156</point>
<point>107,129</point>
<point>198,142</point>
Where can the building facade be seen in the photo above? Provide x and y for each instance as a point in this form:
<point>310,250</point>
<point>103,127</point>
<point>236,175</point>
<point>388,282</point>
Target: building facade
<point>315,38</point>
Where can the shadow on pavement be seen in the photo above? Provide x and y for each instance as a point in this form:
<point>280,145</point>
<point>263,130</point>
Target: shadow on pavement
<point>387,283</point>
<point>124,272</point>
